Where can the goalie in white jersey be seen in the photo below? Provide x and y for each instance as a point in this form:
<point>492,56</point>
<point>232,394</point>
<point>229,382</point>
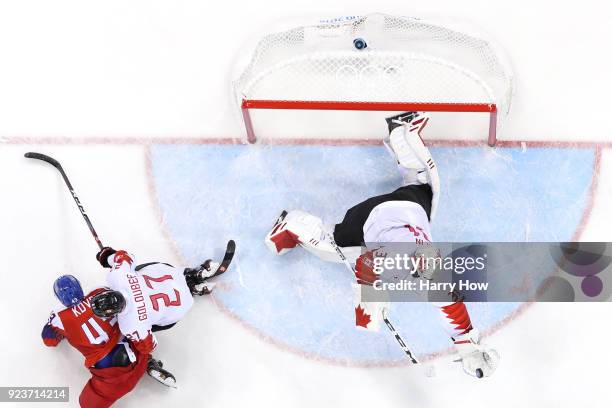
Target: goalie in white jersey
<point>401,216</point>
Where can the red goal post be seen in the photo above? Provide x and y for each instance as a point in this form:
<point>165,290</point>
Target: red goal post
<point>246,105</point>
<point>408,64</point>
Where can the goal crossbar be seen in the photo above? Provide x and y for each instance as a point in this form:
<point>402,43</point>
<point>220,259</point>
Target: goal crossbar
<point>248,104</point>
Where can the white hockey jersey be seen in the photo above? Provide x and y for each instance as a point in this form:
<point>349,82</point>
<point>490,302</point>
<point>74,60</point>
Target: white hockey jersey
<point>156,295</point>
<point>390,221</point>
<point>397,221</point>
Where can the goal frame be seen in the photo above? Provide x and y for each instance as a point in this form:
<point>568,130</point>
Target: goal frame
<point>248,104</point>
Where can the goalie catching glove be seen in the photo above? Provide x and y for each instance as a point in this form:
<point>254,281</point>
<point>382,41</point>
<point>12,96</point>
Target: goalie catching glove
<point>477,360</point>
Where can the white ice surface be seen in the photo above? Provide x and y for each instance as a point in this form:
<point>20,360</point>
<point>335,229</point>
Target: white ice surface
<point>163,69</point>
<point>552,355</point>
<point>159,69</point>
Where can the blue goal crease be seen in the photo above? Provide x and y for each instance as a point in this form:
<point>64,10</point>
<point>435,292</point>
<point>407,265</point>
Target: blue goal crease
<point>211,193</point>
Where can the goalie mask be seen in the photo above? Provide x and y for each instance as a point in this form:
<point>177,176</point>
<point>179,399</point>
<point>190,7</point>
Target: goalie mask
<point>108,303</point>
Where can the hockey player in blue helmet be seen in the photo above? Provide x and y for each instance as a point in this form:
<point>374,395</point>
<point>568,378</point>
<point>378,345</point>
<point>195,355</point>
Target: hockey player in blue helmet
<point>68,290</point>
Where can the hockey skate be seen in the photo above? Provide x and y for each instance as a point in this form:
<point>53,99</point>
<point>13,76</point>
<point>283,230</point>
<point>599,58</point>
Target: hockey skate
<point>477,360</point>
<point>400,120</point>
<point>158,373</point>
<point>198,278</point>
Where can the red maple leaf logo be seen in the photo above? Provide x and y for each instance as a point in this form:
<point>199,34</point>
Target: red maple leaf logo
<point>121,257</point>
<point>361,317</point>
<point>285,240</point>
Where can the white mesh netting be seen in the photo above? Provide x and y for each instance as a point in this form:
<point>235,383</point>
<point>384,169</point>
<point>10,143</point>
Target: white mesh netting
<point>406,60</point>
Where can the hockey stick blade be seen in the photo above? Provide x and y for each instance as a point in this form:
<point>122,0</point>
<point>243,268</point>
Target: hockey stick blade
<point>43,157</point>
<point>227,258</point>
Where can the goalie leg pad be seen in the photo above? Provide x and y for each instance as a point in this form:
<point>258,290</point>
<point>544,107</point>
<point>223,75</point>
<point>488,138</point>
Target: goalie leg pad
<point>304,229</point>
<point>294,228</point>
<point>412,156</point>
<point>410,166</point>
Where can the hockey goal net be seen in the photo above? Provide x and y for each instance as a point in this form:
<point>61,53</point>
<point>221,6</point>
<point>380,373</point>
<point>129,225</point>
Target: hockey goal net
<point>408,64</point>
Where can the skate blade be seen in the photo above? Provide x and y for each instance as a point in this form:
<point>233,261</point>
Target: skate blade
<point>167,381</point>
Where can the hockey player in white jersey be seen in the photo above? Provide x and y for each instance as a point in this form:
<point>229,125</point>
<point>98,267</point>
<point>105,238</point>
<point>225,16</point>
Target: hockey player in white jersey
<point>151,297</point>
<point>403,215</point>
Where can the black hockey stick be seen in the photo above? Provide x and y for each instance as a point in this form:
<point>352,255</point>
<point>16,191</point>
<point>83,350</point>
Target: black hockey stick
<point>58,166</point>
<point>384,312</point>
<point>398,338</point>
<point>227,258</point>
<point>194,275</point>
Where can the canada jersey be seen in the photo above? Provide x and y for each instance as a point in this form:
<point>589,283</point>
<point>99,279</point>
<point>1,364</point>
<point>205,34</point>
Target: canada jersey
<point>397,221</point>
<point>400,216</point>
<point>156,295</point>
<point>93,336</point>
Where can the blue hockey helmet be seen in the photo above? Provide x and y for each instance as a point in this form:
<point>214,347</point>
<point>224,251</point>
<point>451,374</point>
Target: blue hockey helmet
<point>68,290</point>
